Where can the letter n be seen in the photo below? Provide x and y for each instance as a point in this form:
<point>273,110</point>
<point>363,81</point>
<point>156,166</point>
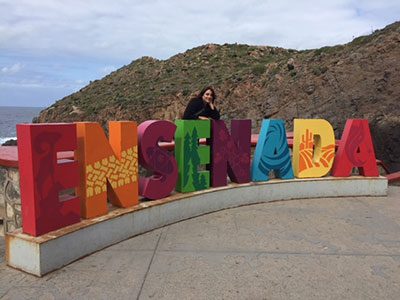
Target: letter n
<point>42,177</point>
<point>355,150</point>
<point>110,168</point>
<point>230,154</point>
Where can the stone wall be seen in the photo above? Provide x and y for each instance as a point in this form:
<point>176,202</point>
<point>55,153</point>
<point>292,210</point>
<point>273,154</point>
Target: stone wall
<point>10,200</point>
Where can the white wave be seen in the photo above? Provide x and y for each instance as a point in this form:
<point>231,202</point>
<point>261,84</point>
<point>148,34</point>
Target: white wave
<point>5,139</point>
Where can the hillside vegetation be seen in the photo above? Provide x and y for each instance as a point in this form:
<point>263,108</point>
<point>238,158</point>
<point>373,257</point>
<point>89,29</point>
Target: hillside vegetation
<point>360,79</point>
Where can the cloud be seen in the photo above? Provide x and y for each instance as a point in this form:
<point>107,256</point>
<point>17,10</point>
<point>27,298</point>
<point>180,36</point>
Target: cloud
<point>30,95</point>
<point>60,42</point>
<point>15,68</point>
<point>162,28</point>
<point>107,69</point>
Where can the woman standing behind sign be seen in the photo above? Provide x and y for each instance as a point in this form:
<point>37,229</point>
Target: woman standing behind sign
<point>202,107</point>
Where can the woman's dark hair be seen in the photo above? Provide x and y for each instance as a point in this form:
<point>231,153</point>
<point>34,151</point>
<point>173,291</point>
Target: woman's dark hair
<point>200,95</point>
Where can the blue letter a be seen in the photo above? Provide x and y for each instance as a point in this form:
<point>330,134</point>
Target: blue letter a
<point>272,152</point>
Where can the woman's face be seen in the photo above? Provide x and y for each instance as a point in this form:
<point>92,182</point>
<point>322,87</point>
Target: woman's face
<point>208,96</point>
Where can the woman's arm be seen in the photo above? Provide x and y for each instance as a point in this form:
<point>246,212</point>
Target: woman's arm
<point>214,114</point>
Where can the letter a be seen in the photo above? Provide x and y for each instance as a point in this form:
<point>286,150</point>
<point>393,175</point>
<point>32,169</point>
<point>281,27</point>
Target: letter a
<point>355,150</point>
<point>272,152</point>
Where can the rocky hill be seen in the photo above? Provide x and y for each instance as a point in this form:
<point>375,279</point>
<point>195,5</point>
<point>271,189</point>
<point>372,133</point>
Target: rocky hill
<point>360,79</point>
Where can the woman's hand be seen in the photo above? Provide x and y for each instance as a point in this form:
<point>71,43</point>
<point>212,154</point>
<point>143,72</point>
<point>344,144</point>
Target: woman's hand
<point>203,118</point>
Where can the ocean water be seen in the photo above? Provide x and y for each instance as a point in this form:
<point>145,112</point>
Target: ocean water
<point>11,116</point>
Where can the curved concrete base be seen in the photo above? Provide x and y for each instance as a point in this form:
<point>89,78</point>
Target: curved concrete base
<point>40,255</point>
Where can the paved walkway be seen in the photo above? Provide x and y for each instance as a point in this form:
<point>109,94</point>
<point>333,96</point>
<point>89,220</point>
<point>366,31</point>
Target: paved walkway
<point>337,248</point>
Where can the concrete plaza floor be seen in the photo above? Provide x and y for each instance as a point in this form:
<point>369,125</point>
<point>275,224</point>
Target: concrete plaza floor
<point>331,248</point>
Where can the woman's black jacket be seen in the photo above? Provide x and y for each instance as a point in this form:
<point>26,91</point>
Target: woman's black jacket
<point>197,107</point>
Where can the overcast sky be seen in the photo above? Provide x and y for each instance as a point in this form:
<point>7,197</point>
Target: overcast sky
<point>49,48</point>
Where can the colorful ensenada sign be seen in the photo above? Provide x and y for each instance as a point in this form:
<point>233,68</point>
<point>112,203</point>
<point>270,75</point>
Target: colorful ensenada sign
<point>106,169</point>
